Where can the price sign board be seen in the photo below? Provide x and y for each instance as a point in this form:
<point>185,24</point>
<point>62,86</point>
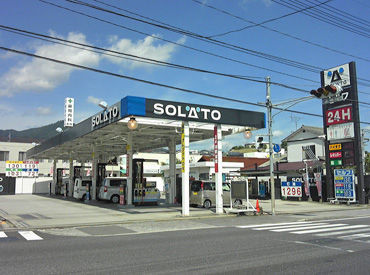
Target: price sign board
<point>291,189</point>
<point>22,168</point>
<point>334,147</point>
<point>344,184</point>
<point>341,131</point>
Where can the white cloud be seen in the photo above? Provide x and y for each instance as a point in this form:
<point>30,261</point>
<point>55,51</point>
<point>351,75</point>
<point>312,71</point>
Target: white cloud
<point>148,48</point>
<point>40,75</point>
<point>93,100</point>
<point>277,133</point>
<point>43,110</point>
<point>5,108</point>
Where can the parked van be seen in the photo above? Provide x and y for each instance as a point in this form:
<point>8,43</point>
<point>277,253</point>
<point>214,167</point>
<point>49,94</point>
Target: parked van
<point>203,193</point>
<point>79,190</point>
<point>110,188</point>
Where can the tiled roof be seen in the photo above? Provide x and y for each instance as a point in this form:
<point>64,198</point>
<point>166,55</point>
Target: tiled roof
<point>315,130</point>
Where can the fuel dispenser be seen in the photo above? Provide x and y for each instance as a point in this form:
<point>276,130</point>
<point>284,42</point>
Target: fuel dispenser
<point>143,193</point>
<point>60,188</point>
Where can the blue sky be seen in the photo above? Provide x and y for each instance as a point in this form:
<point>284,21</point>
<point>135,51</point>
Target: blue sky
<point>32,91</point>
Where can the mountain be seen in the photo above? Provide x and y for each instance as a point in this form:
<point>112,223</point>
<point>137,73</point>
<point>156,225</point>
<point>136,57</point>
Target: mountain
<point>37,135</point>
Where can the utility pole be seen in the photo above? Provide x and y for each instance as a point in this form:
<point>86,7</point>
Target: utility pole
<point>269,112</point>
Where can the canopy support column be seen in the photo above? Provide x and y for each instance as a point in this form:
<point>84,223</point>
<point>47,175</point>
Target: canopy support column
<point>54,177</point>
<point>185,168</point>
<point>172,167</point>
<point>70,182</point>
<point>94,173</point>
<point>218,168</point>
<point>129,161</point>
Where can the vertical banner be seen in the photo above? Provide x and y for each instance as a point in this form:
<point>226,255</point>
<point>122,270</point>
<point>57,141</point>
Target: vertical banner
<point>128,157</point>
<point>306,185</point>
<point>318,183</point>
<point>68,111</point>
<point>182,148</point>
<point>215,143</point>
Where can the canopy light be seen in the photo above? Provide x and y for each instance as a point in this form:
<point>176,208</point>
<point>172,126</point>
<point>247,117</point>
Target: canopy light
<point>132,123</point>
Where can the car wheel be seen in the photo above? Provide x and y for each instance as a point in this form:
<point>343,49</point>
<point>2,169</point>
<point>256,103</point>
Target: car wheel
<point>115,199</point>
<point>207,204</point>
<point>237,203</point>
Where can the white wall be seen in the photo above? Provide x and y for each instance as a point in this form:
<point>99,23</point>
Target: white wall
<point>295,149</point>
<point>33,185</point>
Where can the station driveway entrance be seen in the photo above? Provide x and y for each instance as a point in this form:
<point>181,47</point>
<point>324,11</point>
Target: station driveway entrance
<point>136,124</point>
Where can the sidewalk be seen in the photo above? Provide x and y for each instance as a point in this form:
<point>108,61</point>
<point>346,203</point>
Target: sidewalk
<point>36,212</point>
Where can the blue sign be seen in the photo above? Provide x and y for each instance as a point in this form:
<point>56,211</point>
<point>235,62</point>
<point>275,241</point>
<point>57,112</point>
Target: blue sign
<point>276,148</point>
<point>344,184</point>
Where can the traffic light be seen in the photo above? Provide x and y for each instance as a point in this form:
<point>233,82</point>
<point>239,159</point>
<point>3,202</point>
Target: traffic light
<point>327,91</point>
<point>259,141</point>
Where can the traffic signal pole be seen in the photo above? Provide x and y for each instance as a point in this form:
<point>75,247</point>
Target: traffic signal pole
<point>269,112</point>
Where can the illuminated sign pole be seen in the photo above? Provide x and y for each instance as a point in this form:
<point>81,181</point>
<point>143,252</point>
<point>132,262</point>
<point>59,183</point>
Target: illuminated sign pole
<point>218,167</point>
<point>185,168</point>
<point>341,119</point>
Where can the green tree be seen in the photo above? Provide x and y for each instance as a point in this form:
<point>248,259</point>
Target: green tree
<point>367,162</point>
<point>284,145</point>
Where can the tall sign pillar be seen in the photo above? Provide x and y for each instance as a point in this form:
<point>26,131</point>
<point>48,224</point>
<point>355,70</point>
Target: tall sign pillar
<point>342,128</point>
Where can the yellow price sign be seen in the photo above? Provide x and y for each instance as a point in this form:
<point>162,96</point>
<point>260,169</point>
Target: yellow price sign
<point>334,147</point>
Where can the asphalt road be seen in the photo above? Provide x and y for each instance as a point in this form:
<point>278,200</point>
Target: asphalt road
<point>238,246</point>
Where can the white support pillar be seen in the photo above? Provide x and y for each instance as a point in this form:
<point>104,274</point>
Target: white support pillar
<point>172,170</point>
<point>218,168</point>
<point>94,173</point>
<point>54,177</point>
<point>185,168</point>
<point>130,170</point>
<point>70,183</point>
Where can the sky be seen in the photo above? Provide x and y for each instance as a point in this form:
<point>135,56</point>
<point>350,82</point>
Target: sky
<point>32,91</point>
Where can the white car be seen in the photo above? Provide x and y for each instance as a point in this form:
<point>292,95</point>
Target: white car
<point>110,188</point>
<point>80,187</point>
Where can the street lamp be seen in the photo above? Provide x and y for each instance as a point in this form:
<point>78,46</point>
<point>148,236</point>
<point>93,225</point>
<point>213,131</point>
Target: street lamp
<point>132,123</point>
<point>103,105</point>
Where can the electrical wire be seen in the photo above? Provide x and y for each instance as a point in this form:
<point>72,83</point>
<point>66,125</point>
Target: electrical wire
<point>179,44</point>
<point>156,83</point>
<point>281,60</point>
<point>277,31</point>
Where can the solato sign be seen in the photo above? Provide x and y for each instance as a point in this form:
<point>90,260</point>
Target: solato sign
<point>189,111</point>
<point>111,114</point>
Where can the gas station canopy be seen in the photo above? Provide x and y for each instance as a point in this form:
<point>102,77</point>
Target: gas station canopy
<point>106,133</point>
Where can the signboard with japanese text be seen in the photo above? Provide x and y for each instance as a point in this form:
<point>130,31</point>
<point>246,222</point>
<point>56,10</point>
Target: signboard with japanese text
<point>182,148</point>
<point>291,189</point>
<point>341,131</point>
<point>344,184</point>
<point>335,147</point>
<point>68,111</point>
<point>22,168</point>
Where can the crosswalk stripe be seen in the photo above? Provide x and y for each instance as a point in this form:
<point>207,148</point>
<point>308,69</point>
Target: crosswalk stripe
<point>334,228</point>
<point>30,235</point>
<point>345,232</point>
<point>300,231</point>
<point>270,224</point>
<point>287,226</point>
<point>2,234</point>
<point>355,236</point>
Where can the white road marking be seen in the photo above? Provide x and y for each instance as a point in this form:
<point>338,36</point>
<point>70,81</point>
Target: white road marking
<point>30,235</point>
<point>344,232</point>
<point>340,225</point>
<point>338,228</point>
<point>287,226</point>
<point>270,224</point>
<point>2,234</point>
<point>304,229</point>
<point>355,236</point>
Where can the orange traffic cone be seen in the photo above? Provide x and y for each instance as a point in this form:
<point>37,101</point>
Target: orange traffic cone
<point>258,207</point>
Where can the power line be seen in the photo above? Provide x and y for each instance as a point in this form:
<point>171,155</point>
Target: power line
<point>281,60</point>
<point>277,31</point>
<point>266,21</point>
<point>178,44</point>
<point>333,20</point>
<point>132,57</point>
<point>149,82</point>
<point>155,83</point>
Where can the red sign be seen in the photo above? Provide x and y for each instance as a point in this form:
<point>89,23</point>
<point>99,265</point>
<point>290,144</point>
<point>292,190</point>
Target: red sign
<point>215,143</point>
<point>338,116</point>
<point>335,155</point>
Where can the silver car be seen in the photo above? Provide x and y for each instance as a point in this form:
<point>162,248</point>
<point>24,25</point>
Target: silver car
<point>203,193</point>
<point>110,188</point>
